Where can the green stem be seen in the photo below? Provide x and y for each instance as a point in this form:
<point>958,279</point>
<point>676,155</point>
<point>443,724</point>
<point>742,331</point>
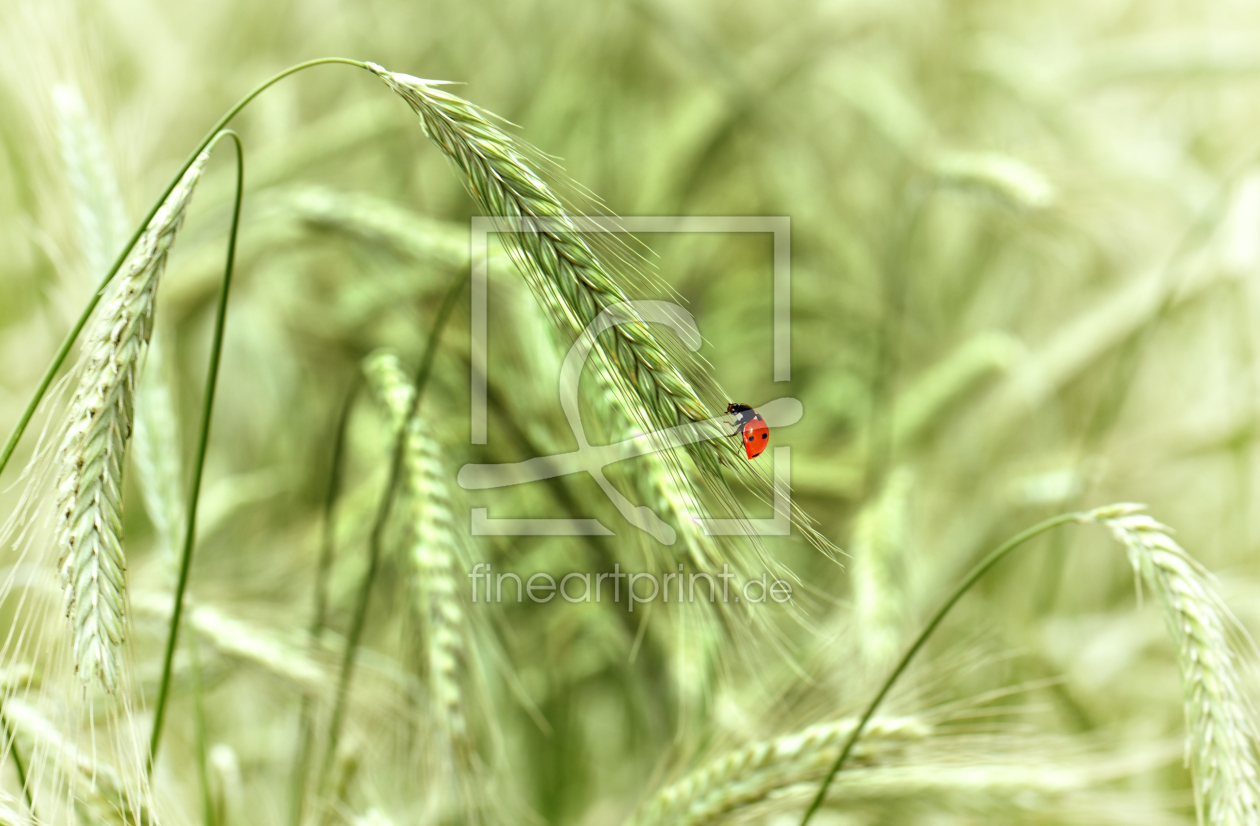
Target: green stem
<point>301,761</point>
<point>327,549</point>
<point>64,349</point>
<point>976,572</point>
<point>199,723</point>
<point>18,765</point>
<point>199,458</point>
<point>382,516</point>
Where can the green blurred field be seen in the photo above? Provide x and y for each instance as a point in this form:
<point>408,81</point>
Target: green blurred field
<point>1025,250</point>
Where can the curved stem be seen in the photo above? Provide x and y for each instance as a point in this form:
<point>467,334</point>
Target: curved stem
<point>382,516</point>
<point>64,350</point>
<point>980,570</point>
<point>199,458</point>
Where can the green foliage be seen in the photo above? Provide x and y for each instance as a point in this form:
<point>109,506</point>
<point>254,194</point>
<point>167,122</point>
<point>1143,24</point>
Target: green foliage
<point>1023,247</point>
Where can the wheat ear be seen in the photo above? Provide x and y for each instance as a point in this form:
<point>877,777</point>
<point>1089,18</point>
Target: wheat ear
<point>562,269</point>
<point>1222,739</point>
<point>433,554</point>
<point>89,506</point>
<point>749,774</point>
<point>574,284</point>
<point>101,225</point>
<point>879,540</point>
<point>241,640</point>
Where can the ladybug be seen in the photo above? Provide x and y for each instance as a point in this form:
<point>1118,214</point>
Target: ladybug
<point>753,430</point>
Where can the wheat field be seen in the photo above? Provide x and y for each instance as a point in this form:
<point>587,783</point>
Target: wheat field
<point>276,401</point>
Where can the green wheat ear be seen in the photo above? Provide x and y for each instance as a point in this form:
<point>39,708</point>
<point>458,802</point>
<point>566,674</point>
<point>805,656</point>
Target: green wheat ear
<point>89,482</point>
<point>1222,741</point>
<point>750,774</point>
<point>565,273</point>
<point>574,282</point>
<point>437,568</point>
<point>433,553</point>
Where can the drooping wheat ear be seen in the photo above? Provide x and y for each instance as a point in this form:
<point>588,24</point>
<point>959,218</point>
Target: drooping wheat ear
<point>749,774</point>
<point>101,231</point>
<point>89,505</point>
<point>379,222</point>
<point>569,279</point>
<point>433,557</point>
<point>1222,740</point>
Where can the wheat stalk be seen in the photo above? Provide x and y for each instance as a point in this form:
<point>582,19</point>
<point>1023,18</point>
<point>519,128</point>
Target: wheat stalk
<point>89,504</point>
<point>1222,739</point>
<point>749,774</point>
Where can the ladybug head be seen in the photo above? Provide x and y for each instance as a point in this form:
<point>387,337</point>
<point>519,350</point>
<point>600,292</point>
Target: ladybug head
<point>730,408</point>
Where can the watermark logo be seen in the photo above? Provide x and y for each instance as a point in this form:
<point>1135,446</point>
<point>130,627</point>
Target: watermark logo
<point>593,459</point>
<point>670,586</point>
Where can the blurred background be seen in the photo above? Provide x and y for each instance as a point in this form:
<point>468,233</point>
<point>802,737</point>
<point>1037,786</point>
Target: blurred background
<point>1024,257</point>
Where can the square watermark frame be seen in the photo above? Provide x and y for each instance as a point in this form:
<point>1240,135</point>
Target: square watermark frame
<point>479,247</point>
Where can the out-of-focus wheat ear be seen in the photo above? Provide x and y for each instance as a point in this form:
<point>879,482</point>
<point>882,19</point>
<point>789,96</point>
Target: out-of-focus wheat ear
<point>156,457</point>
<point>697,633</point>
<point>89,506</point>
<point>100,219</point>
<point>747,775</point>
<point>1222,741</point>
<point>258,646</point>
<point>227,788</point>
<point>569,279</point>
<point>433,554</point>
<point>436,576</point>
<point>879,539</point>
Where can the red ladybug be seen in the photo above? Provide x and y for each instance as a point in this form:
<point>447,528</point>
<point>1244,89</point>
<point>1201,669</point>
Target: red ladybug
<point>753,430</point>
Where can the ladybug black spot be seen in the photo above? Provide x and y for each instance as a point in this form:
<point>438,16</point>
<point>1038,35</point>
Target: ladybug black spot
<point>765,435</point>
